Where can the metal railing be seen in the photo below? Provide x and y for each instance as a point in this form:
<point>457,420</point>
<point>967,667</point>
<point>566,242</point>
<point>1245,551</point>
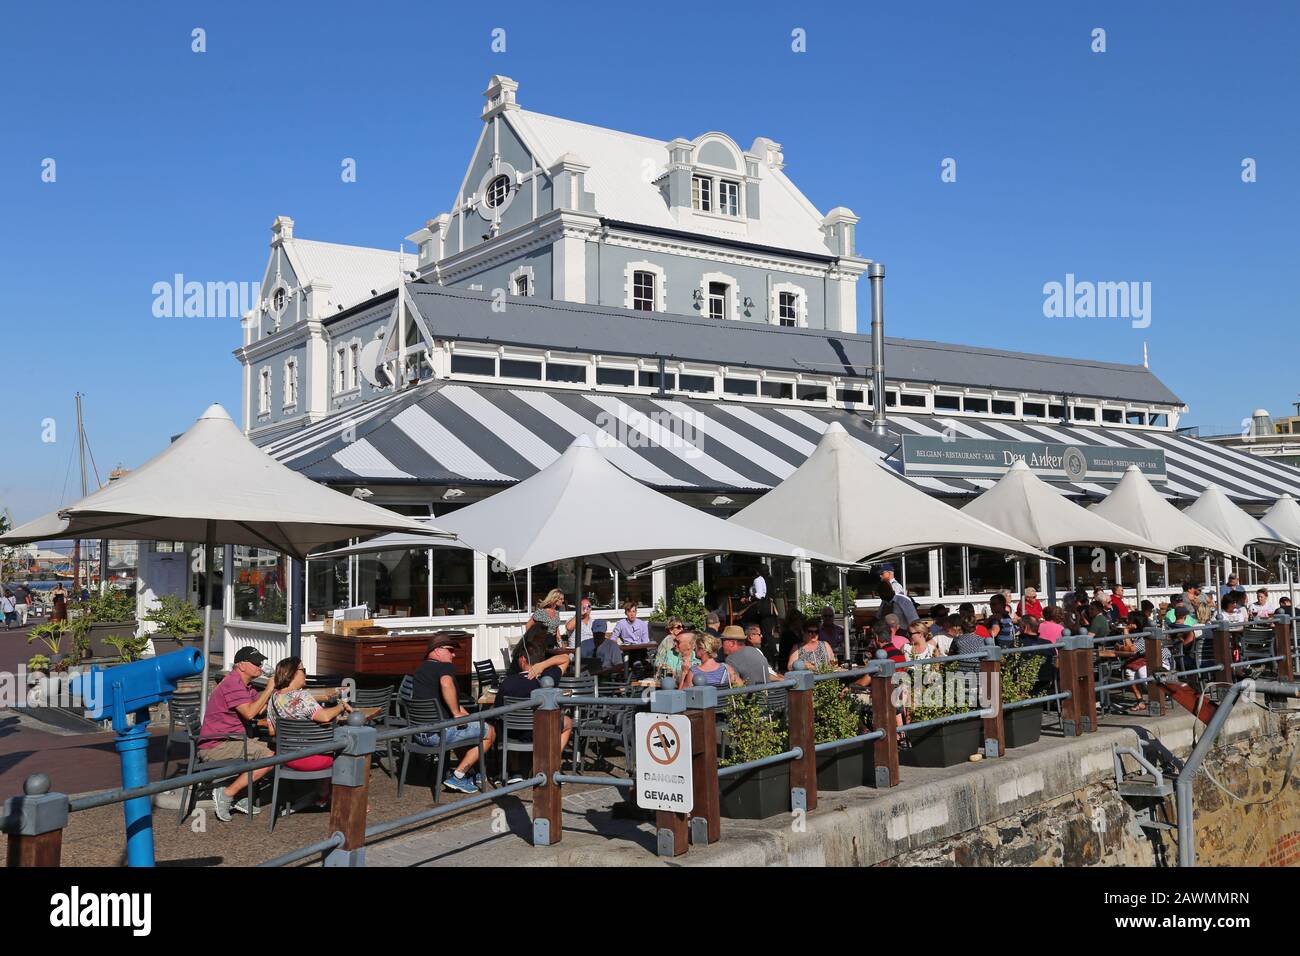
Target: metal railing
<point>35,820</point>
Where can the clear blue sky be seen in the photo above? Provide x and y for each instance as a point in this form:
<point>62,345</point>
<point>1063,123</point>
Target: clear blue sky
<point>1124,165</point>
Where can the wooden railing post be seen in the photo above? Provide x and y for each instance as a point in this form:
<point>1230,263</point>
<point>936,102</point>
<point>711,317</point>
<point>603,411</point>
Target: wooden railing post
<point>1282,647</point>
<point>883,718</point>
<point>995,736</point>
<point>548,797</point>
<point>350,791</point>
<point>1154,642</point>
<point>1223,653</point>
<point>706,816</point>
<point>1078,677</point>
<point>35,823</point>
<point>803,771</point>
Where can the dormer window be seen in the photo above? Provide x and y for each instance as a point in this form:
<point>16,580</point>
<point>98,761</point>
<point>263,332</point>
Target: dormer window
<point>702,193</point>
<point>497,191</point>
<point>729,197</point>
<point>788,309</point>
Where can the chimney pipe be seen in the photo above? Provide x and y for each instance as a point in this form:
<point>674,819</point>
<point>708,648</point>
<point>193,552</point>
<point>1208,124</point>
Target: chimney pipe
<point>876,273</point>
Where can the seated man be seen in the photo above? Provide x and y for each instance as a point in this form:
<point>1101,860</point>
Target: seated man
<point>435,679</point>
<point>832,633</point>
<point>224,735</point>
<point>605,654</point>
<point>544,643</point>
<point>526,678</point>
<point>745,659</point>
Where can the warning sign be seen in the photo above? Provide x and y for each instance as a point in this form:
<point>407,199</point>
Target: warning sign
<point>663,763</point>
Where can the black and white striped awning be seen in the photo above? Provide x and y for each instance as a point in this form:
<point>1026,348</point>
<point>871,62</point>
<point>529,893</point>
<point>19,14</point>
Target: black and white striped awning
<point>456,433</point>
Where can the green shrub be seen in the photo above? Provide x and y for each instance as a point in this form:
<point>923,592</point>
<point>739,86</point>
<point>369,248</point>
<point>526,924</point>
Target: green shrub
<point>128,648</point>
<point>835,712</point>
<point>688,607</point>
<point>753,732</point>
<point>1019,674</point>
<point>175,617</point>
<point>810,605</point>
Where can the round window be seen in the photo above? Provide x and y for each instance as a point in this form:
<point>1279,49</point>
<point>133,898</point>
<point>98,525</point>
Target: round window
<point>277,301</point>
<point>497,191</point>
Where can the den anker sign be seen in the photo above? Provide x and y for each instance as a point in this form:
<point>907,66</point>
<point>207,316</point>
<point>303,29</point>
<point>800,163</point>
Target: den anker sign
<point>935,456</point>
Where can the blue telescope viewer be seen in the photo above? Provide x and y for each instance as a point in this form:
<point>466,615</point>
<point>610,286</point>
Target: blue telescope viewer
<point>134,688</point>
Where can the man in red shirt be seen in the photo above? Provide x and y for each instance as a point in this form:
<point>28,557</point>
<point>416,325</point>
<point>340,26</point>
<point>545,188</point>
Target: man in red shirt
<point>1030,606</point>
<point>224,734</point>
<point>1118,609</point>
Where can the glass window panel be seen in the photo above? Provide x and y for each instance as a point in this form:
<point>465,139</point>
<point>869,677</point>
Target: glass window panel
<point>947,403</point>
<point>1002,406</point>
<point>695,383</point>
<point>678,575</point>
<point>651,380</point>
<point>561,372</point>
<point>643,291</point>
<point>1135,418</point>
<point>1160,420</point>
<point>811,393</point>
<point>1084,414</point>
<point>473,365</point>
<point>507,592</point>
<point>519,368</point>
<point>916,573</point>
<point>952,567</point>
<point>1034,409</point>
<point>556,574</point>
<point>327,587</point>
<point>453,581</point>
<point>1055,411</point>
<point>911,400</point>
<point>625,377</point>
<point>990,571</point>
<point>1093,567</point>
<point>394,583</point>
<point>739,386</point>
<point>260,577</point>
<point>778,390</point>
<point>851,395</point>
<point>1114,416</point>
<point>972,404</point>
<point>598,586</point>
<point>639,589</point>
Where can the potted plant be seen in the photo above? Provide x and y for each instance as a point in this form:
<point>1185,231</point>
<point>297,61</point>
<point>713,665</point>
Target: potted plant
<point>128,648</point>
<point>687,607</point>
<point>836,717</point>
<point>49,633</point>
<point>174,618</point>
<point>753,734</point>
<point>1023,725</point>
<point>944,745</point>
<point>91,622</point>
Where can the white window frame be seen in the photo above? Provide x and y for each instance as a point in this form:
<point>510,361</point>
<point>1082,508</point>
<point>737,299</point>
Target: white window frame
<point>290,383</point>
<point>1096,413</point>
<point>826,383</point>
<point>264,390</point>
<point>710,371</point>
<point>700,202</point>
<point>661,284</point>
<point>1037,400</point>
<point>925,406</point>
<point>354,364</point>
<point>633,367</point>
<point>475,353</point>
<point>513,355</point>
<point>948,411</point>
<point>733,294</point>
<point>1123,412</point>
<point>1015,405</point>
<point>340,369</point>
<point>524,272</point>
<point>800,304</point>
<point>722,209</point>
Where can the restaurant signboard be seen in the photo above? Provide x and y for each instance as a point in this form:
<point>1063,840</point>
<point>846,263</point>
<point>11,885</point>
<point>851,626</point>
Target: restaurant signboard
<point>941,456</point>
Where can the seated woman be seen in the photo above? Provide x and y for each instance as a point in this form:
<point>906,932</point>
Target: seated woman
<point>709,670</point>
<point>1134,648</point>
<point>813,651</point>
<point>292,702</point>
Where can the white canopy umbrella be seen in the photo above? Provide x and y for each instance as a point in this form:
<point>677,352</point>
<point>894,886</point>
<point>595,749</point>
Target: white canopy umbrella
<point>1215,511</point>
<point>1029,508</point>
<point>1134,503</point>
<point>396,541</point>
<point>583,507</point>
<point>213,485</point>
<point>841,501</point>
<point>1034,511</point>
<point>1283,519</point>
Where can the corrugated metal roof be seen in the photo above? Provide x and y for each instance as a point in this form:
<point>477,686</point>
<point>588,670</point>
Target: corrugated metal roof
<point>568,326</point>
<point>351,271</point>
<point>624,167</point>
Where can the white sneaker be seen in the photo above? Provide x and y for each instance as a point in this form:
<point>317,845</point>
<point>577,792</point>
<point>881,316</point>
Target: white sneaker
<point>242,806</point>
<point>222,804</point>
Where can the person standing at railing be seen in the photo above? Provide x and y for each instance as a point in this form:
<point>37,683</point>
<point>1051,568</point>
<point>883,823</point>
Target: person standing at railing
<point>436,679</point>
<point>224,735</point>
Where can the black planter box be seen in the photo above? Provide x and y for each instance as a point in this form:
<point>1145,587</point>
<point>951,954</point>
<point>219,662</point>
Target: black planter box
<point>756,794</point>
<point>1023,726</point>
<point>945,745</point>
<point>101,630</point>
<point>847,767</point>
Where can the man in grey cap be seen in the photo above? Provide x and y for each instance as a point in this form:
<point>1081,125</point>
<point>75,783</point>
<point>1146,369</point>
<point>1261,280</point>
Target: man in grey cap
<point>887,575</point>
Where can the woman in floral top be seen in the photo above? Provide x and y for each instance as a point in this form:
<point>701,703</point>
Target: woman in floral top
<point>292,701</point>
<point>548,611</point>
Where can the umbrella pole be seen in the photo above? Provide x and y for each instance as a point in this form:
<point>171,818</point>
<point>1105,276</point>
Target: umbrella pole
<point>848,619</point>
<point>209,547</point>
<point>579,567</point>
<point>1051,583</point>
<point>298,574</point>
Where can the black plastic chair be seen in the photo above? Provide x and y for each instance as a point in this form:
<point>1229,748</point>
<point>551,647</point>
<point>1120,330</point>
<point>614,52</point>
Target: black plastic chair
<point>430,712</point>
<point>381,697</point>
<point>486,674</point>
<point>192,737</point>
<point>292,735</point>
<point>521,722</point>
<point>182,709</point>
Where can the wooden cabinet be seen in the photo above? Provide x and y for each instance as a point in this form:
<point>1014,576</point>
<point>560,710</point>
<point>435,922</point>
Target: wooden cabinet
<point>388,655</point>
